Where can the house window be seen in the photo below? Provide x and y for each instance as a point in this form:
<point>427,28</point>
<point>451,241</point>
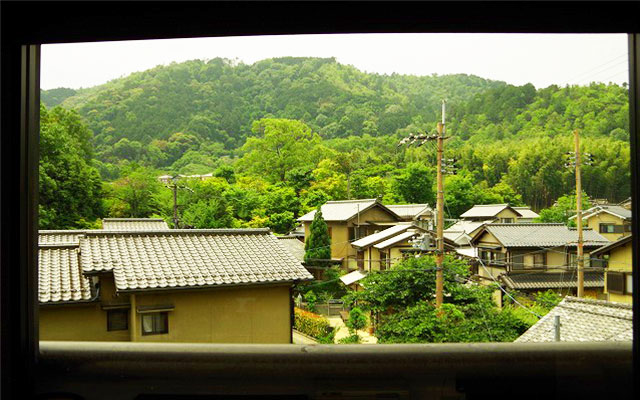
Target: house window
<point>627,227</point>
<point>612,228</point>
<point>506,220</point>
<point>330,233</point>
<point>360,259</point>
<point>628,283</point>
<point>517,262</point>
<point>539,260</point>
<point>352,233</point>
<point>155,323</point>
<point>383,260</point>
<point>615,282</point>
<point>117,320</point>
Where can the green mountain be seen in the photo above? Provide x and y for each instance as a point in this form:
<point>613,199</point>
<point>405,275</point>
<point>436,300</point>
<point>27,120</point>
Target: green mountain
<point>197,117</point>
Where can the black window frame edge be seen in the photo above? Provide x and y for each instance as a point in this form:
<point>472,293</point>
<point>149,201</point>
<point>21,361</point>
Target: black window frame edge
<point>25,366</point>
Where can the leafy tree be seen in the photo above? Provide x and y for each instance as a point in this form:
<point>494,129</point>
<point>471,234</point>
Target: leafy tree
<point>564,208</point>
<point>280,145</point>
<point>134,195</point>
<point>403,299</point>
<point>414,184</point>
<point>311,299</point>
<point>317,247</point>
<point>70,187</point>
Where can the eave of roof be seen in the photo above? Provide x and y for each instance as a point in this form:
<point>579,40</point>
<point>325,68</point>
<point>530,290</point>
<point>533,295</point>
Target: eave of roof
<point>620,242</point>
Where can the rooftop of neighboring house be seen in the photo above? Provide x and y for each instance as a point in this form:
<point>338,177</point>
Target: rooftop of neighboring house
<point>133,224</point>
<point>584,320</point>
<point>612,245</point>
<point>526,212</point>
<point>540,235</point>
<point>486,210</point>
<point>170,259</point>
<point>60,277</point>
<point>294,245</point>
<point>344,210</point>
<point>410,211</point>
<point>551,280</point>
<point>615,210</point>
<point>464,226</point>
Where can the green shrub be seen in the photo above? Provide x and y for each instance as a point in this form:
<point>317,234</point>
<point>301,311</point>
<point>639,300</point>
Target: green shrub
<point>357,320</point>
<point>311,300</point>
<point>548,299</point>
<point>352,339</point>
<point>314,325</point>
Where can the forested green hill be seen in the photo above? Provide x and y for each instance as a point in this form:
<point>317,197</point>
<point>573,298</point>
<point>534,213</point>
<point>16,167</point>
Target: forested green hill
<point>316,130</point>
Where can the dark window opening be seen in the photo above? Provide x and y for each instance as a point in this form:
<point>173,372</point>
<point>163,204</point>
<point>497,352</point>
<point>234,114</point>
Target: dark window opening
<point>118,320</point>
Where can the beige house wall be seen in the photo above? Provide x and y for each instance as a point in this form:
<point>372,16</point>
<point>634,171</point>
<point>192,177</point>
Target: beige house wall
<point>620,260</point>
<point>594,222</point>
<point>225,315</point>
<point>507,213</point>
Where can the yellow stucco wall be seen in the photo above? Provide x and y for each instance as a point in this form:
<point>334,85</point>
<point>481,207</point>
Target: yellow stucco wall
<point>233,315</point>
<point>594,222</point>
<point>77,322</point>
<point>620,260</point>
<point>225,315</point>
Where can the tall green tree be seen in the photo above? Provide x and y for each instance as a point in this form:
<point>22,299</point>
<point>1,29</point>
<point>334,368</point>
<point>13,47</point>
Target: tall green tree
<point>317,247</point>
<point>280,145</point>
<point>70,191</point>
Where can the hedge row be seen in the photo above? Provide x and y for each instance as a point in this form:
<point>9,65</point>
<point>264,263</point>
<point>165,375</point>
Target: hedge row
<point>314,325</point>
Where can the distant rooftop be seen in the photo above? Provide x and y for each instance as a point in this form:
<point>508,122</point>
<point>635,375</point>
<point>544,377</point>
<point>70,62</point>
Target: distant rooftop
<point>551,280</point>
<point>526,212</point>
<point>584,320</point>
<point>486,210</point>
<point>133,224</point>
<point>410,211</point>
<point>616,210</point>
<point>344,210</point>
<point>542,235</point>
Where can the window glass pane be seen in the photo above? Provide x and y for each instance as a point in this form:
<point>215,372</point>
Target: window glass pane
<point>147,323</point>
<point>629,283</point>
<point>117,320</point>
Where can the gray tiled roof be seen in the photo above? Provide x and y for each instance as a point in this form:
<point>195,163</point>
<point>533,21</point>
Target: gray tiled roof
<point>542,235</point>
<point>409,211</point>
<point>294,245</point>
<point>584,320</point>
<point>343,210</point>
<point>526,212</point>
<point>56,237</point>
<point>189,258</point>
<point>607,208</point>
<point>485,210</point>
<point>133,224</point>
<point>60,278</point>
<point>552,280</point>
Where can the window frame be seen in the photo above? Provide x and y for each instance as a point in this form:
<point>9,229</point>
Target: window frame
<point>164,329</point>
<point>110,316</point>
<point>20,78</point>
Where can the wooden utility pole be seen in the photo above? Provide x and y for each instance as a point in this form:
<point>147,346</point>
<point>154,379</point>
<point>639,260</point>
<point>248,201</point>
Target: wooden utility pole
<point>175,205</point>
<point>576,140</point>
<point>440,211</point>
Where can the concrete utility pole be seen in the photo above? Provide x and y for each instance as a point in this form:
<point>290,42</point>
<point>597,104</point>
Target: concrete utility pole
<point>440,211</point>
<point>576,140</point>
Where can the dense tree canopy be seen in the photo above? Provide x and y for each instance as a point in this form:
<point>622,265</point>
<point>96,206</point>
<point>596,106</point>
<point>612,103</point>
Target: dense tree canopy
<point>285,135</point>
<point>70,187</point>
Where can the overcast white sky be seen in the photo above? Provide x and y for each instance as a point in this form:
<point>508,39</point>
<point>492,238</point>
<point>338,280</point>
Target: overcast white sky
<point>515,58</point>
